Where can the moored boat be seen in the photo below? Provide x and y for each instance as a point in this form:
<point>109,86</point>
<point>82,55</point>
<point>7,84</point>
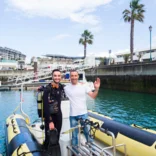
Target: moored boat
<point>138,141</point>
<point>24,138</point>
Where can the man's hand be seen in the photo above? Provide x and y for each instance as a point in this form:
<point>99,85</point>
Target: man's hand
<point>40,88</point>
<point>97,84</point>
<point>51,125</point>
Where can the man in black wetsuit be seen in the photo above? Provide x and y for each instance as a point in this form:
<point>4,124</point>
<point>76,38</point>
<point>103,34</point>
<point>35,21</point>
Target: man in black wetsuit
<point>53,92</point>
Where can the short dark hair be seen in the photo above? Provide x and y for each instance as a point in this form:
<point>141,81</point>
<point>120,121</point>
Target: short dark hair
<point>55,71</point>
<point>74,70</point>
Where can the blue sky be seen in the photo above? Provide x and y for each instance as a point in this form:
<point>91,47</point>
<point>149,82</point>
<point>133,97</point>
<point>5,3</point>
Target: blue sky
<point>38,27</point>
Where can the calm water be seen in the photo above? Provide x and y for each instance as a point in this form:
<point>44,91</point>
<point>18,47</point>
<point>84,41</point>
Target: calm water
<point>125,107</point>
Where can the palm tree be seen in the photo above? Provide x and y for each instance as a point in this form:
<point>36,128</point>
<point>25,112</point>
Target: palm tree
<point>136,13</point>
<point>126,57</point>
<point>86,38</point>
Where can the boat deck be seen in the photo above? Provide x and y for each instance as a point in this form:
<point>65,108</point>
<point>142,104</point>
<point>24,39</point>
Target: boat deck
<point>101,145</point>
<point>36,131</point>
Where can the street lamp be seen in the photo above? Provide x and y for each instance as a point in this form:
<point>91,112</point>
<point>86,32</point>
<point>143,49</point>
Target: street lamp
<point>150,29</point>
<point>109,56</point>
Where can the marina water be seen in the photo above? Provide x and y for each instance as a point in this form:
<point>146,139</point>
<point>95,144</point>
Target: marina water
<point>126,107</point>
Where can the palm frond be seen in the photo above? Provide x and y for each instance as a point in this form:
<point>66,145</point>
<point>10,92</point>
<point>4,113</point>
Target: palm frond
<point>126,15</point>
<point>141,6</point>
<point>139,17</point>
<point>87,35</point>
<point>134,4</point>
<point>126,11</point>
<point>136,13</point>
<point>89,41</point>
<point>81,41</point>
<point>91,37</point>
<point>127,18</point>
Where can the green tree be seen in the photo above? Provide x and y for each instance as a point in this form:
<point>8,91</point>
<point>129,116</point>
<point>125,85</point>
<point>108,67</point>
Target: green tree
<point>126,57</point>
<point>86,38</point>
<point>101,59</point>
<point>136,13</point>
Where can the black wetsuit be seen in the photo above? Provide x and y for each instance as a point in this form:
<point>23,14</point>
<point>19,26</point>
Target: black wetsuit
<point>56,118</point>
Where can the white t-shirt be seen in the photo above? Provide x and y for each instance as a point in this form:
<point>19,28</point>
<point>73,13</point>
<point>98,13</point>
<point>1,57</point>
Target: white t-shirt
<point>77,97</point>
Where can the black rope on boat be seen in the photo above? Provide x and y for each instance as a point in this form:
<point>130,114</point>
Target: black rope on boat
<point>14,128</point>
<point>35,151</point>
<point>12,121</point>
<point>24,127</point>
<point>93,127</point>
<point>31,128</point>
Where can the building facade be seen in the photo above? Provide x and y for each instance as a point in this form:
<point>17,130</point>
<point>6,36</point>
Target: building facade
<point>138,56</point>
<point>11,54</point>
<point>58,59</point>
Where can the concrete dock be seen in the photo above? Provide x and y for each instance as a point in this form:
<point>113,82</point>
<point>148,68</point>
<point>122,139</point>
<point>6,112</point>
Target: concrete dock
<point>28,86</point>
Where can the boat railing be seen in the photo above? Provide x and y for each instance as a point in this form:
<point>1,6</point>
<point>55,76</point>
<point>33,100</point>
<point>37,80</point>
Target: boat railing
<point>90,148</point>
<point>113,143</point>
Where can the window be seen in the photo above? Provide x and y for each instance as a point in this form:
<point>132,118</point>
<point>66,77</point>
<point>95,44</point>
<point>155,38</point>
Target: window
<point>80,76</point>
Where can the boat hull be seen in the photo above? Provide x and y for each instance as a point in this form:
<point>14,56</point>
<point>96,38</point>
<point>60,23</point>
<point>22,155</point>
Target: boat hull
<point>19,138</point>
<point>138,142</point>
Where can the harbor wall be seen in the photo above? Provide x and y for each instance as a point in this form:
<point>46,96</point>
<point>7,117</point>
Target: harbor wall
<point>139,77</point>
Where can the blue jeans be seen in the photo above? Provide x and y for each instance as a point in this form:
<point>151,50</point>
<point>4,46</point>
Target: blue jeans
<point>74,123</point>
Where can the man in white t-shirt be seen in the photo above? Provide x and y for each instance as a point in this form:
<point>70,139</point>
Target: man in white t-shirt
<point>76,92</point>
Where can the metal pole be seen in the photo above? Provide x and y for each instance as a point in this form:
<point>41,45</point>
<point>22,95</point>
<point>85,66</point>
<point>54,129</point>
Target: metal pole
<point>150,29</point>
<point>109,56</point>
<point>150,45</point>
<point>35,69</point>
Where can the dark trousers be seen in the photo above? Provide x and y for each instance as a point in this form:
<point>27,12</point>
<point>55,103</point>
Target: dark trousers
<point>57,120</point>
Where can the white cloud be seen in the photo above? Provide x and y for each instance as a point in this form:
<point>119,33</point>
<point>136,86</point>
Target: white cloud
<point>84,19</point>
<point>60,36</point>
<point>81,11</point>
